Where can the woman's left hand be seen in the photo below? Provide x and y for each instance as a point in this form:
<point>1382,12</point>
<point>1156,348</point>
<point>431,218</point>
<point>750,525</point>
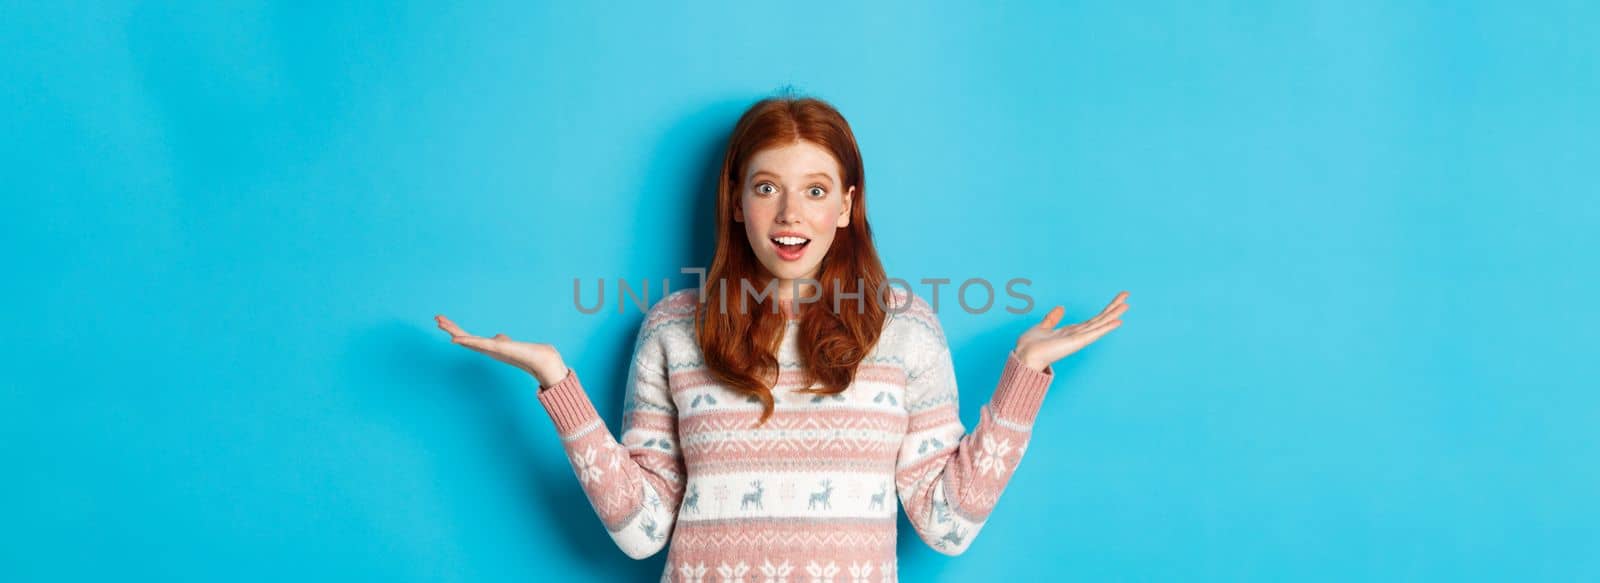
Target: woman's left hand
<point>1044,344</point>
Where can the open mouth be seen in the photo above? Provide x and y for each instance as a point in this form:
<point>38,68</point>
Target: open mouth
<point>790,248</point>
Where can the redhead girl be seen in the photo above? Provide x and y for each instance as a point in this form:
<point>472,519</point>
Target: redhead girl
<point>769,435</point>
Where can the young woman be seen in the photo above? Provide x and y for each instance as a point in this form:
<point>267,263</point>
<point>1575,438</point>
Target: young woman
<point>768,438</point>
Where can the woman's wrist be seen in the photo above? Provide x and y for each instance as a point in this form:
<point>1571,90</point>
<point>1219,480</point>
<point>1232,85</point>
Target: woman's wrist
<point>1029,360</point>
<point>551,376</point>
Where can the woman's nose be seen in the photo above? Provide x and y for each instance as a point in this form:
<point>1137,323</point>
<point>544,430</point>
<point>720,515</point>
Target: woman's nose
<point>783,208</point>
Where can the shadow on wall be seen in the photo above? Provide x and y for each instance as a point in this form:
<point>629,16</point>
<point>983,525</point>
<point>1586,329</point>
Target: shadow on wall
<point>491,427</point>
<point>521,459</point>
<point>677,199</point>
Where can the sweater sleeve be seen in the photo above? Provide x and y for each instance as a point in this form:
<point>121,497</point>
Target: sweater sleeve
<point>634,485</point>
<point>949,480</point>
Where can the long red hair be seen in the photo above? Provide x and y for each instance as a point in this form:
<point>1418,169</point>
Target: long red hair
<point>740,346</point>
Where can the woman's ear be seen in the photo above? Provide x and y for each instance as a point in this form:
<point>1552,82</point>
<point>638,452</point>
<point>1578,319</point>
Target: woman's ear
<point>844,209</point>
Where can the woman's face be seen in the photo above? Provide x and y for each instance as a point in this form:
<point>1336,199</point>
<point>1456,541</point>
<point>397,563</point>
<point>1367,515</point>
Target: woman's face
<point>792,203</point>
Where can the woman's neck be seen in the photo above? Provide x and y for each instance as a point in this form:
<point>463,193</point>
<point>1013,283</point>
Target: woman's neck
<point>786,290</point>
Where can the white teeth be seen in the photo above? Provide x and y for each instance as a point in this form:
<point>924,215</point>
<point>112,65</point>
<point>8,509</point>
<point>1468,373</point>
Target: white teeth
<point>791,240</point>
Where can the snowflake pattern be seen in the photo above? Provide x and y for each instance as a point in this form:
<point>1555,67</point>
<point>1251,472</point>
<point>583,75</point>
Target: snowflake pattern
<point>733,573</point>
<point>860,572</point>
<point>692,573</point>
<point>776,573</point>
<point>588,471</point>
<point>822,573</point>
<point>991,458</point>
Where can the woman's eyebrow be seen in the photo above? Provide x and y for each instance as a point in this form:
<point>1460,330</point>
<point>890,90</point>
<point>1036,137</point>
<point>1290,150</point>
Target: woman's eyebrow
<point>765,173</point>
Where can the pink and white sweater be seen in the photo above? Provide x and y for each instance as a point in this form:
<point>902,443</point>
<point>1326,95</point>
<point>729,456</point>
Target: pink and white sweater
<point>811,494</point>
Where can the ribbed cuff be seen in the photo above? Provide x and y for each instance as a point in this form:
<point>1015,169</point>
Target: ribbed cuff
<point>1021,391</point>
<point>569,407</point>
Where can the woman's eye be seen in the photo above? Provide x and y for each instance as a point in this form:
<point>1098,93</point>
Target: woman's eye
<point>818,192</point>
<point>765,188</point>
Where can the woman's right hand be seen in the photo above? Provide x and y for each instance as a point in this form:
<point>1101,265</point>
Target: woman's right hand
<point>540,360</point>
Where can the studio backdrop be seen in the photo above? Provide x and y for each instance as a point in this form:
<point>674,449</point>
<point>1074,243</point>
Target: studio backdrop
<point>1360,238</point>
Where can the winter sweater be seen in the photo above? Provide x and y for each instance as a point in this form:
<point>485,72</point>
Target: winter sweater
<point>811,494</point>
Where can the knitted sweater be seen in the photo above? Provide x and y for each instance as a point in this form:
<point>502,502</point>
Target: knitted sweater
<point>811,494</point>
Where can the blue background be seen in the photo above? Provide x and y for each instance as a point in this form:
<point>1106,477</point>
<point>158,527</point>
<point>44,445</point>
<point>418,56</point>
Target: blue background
<point>1359,239</point>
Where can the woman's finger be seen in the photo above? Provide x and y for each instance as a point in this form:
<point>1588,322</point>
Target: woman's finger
<point>1052,318</point>
<point>1103,312</point>
<point>448,326</point>
<point>1115,313</point>
<point>479,344</point>
<point>1111,311</point>
<point>1096,332</point>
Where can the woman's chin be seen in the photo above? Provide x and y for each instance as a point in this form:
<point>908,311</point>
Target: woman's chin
<point>788,272</point>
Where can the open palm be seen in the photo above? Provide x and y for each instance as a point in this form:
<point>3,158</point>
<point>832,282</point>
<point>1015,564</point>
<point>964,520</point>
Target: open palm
<point>540,360</point>
<point>1043,344</point>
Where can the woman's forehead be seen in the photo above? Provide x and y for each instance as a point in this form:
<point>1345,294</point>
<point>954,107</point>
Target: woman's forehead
<point>795,161</point>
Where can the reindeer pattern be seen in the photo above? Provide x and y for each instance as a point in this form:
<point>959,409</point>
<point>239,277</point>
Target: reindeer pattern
<point>877,499</point>
<point>752,499</point>
<point>691,502</point>
<point>953,537</point>
<point>822,497</point>
<point>846,494</point>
